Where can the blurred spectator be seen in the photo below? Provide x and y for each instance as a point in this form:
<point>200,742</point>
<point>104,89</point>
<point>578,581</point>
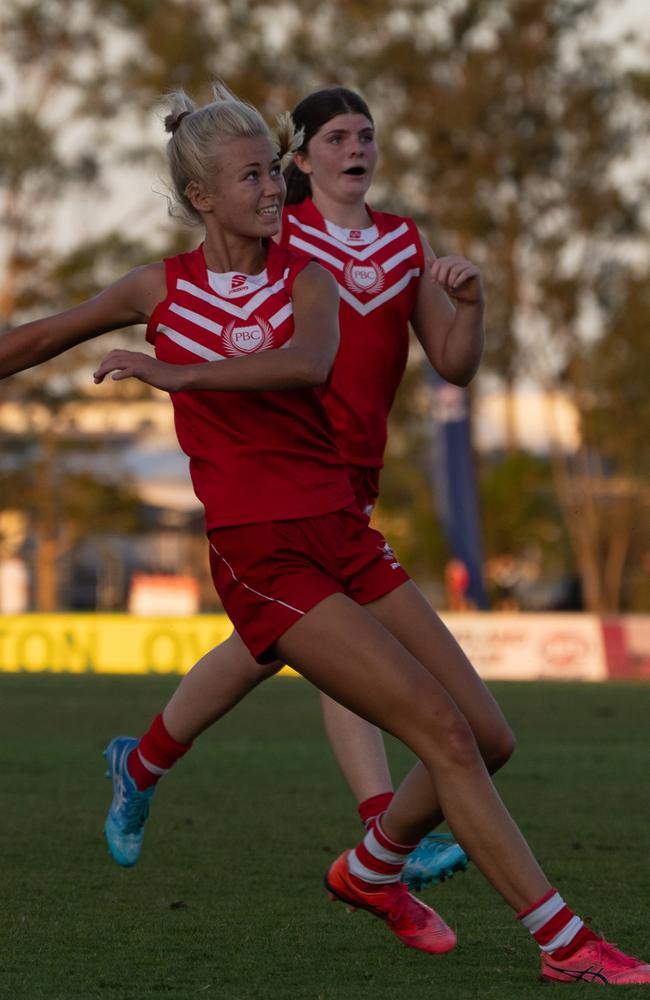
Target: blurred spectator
<point>14,586</point>
<point>504,575</point>
<point>456,585</point>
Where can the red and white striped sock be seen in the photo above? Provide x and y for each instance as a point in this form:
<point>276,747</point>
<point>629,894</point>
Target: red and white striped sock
<point>378,860</point>
<point>155,753</point>
<point>373,807</point>
<point>553,925</point>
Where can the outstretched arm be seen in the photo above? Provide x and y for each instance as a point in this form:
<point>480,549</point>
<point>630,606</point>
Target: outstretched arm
<point>305,362</point>
<point>124,303</point>
<point>448,316</point>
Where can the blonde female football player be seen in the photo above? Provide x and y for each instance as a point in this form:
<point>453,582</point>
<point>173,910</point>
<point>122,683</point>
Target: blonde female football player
<point>300,572</point>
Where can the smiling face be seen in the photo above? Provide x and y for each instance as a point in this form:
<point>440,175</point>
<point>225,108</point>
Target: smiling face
<point>340,159</point>
<point>246,191</point>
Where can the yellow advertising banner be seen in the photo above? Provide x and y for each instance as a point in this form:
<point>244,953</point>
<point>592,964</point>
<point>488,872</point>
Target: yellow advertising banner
<point>505,646</point>
<point>108,643</point>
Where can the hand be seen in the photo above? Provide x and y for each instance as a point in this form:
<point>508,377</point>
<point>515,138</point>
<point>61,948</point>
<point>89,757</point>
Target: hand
<point>121,364</point>
<point>458,278</point>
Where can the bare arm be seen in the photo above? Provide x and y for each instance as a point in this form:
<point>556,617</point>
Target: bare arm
<point>305,362</point>
<point>451,332</point>
<point>129,300</point>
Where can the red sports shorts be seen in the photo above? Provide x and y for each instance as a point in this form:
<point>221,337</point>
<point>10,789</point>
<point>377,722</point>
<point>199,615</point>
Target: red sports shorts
<point>268,575</point>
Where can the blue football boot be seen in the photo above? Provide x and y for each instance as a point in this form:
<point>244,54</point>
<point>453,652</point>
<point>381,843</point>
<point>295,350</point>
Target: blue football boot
<point>436,858</point>
<point>124,826</point>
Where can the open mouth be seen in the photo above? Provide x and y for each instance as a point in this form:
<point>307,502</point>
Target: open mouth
<point>355,171</point>
<point>270,211</point>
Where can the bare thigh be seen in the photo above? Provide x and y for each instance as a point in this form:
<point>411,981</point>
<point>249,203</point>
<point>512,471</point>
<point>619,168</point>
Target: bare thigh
<point>351,656</point>
<point>410,618</point>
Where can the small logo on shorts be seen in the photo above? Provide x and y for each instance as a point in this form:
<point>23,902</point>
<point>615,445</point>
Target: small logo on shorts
<point>389,555</point>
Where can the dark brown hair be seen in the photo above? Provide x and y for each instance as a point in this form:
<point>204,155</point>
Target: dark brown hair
<point>310,115</point>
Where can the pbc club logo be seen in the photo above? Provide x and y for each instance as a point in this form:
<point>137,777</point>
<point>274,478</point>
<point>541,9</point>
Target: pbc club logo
<point>257,336</point>
<point>368,277</point>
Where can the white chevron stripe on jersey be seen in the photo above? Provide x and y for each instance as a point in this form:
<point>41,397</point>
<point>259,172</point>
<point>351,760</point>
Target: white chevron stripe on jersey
<point>363,254</point>
<point>241,312</point>
<point>409,251</point>
<point>197,318</point>
<point>279,317</point>
<point>314,251</point>
<point>363,308</point>
<point>190,345</point>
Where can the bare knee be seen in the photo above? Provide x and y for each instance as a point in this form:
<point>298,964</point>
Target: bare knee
<point>266,670</point>
<point>245,665</point>
<point>459,744</point>
<point>258,672</point>
<point>449,740</point>
<point>500,748</point>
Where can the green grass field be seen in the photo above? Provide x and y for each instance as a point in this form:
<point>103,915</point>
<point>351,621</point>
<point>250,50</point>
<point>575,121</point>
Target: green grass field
<point>227,900</point>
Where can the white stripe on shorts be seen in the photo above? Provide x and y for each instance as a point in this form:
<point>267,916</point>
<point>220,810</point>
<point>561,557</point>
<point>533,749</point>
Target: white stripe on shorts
<point>252,589</point>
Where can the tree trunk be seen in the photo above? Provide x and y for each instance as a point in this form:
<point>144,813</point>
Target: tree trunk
<point>46,529</point>
<point>575,496</point>
<point>46,597</point>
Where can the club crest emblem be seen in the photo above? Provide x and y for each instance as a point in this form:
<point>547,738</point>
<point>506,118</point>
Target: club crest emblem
<point>255,336</point>
<point>367,277</point>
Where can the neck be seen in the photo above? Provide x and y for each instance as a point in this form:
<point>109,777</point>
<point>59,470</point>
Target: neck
<point>352,215</point>
<point>224,252</point>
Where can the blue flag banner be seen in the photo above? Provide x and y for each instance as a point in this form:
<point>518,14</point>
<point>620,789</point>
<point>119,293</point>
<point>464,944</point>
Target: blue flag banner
<point>451,470</point>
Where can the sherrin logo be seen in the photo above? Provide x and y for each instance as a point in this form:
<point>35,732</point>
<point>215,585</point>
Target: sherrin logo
<point>257,336</point>
<point>237,282</point>
<point>368,277</point>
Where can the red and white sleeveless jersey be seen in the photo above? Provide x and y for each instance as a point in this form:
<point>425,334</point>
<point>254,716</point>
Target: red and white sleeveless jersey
<point>378,274</point>
<point>254,456</point>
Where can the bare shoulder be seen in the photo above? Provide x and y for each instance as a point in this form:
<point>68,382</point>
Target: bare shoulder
<point>151,283</point>
<point>142,288</point>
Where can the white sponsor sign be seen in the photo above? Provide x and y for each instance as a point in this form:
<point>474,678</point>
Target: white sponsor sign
<point>163,595</point>
<point>531,647</point>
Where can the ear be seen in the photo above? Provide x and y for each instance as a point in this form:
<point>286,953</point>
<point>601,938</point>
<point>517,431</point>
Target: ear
<point>301,160</point>
<point>199,199</point>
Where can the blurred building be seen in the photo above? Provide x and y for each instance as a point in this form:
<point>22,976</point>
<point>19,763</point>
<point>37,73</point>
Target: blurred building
<point>135,442</point>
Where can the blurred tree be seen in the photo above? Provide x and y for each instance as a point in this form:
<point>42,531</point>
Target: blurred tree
<point>606,491</point>
<point>57,149</point>
<point>521,511</point>
<point>63,503</point>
